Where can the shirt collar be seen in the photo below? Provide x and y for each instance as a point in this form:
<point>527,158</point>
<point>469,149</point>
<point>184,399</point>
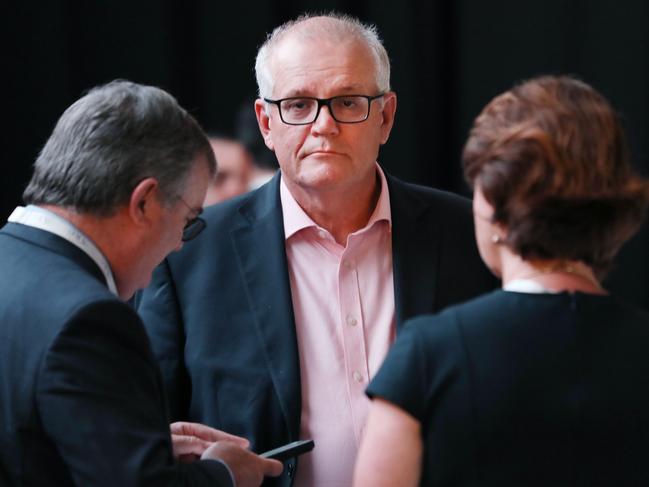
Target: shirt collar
<point>296,219</point>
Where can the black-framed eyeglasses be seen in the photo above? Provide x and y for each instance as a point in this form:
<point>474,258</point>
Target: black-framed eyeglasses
<point>193,226</point>
<point>303,110</point>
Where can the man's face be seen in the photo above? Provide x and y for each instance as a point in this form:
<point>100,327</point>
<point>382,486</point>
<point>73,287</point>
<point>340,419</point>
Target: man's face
<point>325,155</point>
<point>233,174</point>
<point>169,221</point>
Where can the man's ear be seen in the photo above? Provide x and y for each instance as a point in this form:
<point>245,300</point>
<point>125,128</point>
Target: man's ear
<point>388,112</point>
<point>263,120</point>
<point>144,201</point>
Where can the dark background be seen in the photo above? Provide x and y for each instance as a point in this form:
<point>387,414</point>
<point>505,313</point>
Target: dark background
<point>449,58</point>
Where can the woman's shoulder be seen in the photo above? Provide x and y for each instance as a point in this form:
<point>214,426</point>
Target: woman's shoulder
<point>480,306</point>
<point>484,315</point>
<point>506,311</point>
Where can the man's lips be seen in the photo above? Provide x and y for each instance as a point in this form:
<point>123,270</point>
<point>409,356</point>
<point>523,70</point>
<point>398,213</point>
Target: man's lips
<point>323,152</point>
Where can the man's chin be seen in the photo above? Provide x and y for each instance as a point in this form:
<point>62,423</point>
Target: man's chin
<point>325,165</point>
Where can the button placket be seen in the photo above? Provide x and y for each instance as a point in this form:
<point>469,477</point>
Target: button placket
<point>354,340</point>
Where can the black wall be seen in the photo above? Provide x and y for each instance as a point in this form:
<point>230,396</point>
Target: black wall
<point>449,58</point>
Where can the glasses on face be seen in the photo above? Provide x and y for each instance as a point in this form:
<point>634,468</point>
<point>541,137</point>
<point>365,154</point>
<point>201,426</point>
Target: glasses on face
<point>303,110</point>
<point>194,226</point>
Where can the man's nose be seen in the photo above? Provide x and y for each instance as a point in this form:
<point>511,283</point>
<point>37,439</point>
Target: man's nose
<point>325,123</point>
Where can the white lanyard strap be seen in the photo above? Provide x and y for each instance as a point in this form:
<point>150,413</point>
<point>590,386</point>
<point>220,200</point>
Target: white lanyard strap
<point>43,219</point>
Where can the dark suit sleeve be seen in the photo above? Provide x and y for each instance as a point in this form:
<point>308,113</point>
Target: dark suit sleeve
<point>160,311</point>
<point>100,399</point>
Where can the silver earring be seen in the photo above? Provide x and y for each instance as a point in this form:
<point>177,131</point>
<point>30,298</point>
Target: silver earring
<point>495,238</point>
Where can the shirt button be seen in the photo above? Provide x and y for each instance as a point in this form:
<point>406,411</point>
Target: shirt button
<point>351,321</point>
<point>358,377</point>
<point>322,234</point>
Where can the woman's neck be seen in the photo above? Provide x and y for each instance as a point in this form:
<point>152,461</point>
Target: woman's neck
<point>553,275</point>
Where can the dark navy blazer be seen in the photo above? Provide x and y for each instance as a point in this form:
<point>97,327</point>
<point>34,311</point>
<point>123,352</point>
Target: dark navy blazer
<point>81,398</point>
<point>220,317</point>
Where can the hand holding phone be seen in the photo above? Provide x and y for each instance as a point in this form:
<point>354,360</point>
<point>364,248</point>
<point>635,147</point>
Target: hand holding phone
<point>289,450</point>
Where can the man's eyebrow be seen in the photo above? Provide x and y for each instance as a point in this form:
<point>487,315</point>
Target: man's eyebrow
<point>352,89</point>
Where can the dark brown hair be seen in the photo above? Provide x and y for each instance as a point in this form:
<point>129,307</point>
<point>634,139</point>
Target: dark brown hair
<point>550,157</point>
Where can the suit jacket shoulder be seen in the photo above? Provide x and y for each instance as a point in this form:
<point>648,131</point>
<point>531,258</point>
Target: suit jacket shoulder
<point>436,260</point>
<point>89,406</point>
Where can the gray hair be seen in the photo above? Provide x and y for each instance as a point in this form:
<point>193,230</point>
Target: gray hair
<point>336,26</point>
<point>111,139</point>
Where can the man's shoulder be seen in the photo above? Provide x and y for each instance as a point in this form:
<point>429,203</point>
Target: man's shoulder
<point>247,207</point>
<point>229,218</point>
<point>34,270</point>
<point>69,291</point>
<point>427,202</point>
<point>45,292</point>
<point>426,194</point>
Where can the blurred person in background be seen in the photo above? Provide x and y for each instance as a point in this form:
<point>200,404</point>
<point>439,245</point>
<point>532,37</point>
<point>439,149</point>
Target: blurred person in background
<point>264,162</point>
<point>234,170</point>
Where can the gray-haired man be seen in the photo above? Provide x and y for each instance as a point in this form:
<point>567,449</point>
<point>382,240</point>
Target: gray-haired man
<point>118,185</point>
<point>271,323</point>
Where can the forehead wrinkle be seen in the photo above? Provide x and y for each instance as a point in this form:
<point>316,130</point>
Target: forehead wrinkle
<point>322,81</point>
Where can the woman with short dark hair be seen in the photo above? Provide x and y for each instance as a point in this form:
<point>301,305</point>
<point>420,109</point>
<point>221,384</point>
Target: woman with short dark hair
<point>543,382</point>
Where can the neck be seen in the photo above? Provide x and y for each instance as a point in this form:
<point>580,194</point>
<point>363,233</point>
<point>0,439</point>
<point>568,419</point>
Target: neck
<point>554,275</point>
<point>102,231</point>
<point>339,212</point>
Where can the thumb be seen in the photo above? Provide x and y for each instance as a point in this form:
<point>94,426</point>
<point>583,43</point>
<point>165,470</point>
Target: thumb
<point>272,468</point>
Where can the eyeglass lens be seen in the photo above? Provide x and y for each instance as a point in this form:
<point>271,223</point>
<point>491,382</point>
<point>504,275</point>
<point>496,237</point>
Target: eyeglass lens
<point>193,228</point>
<point>342,108</point>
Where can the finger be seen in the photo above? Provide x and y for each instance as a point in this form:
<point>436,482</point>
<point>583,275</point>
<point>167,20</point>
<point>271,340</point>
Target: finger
<point>177,428</point>
<point>223,436</point>
<point>188,445</point>
<point>272,468</point>
<point>206,433</point>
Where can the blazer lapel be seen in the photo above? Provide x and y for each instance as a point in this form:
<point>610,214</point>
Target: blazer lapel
<point>415,253</point>
<point>259,245</point>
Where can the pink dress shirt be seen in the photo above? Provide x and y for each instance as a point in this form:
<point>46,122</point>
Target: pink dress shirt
<point>343,299</point>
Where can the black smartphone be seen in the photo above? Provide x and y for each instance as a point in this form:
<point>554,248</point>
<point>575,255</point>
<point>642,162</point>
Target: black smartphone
<point>289,450</point>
